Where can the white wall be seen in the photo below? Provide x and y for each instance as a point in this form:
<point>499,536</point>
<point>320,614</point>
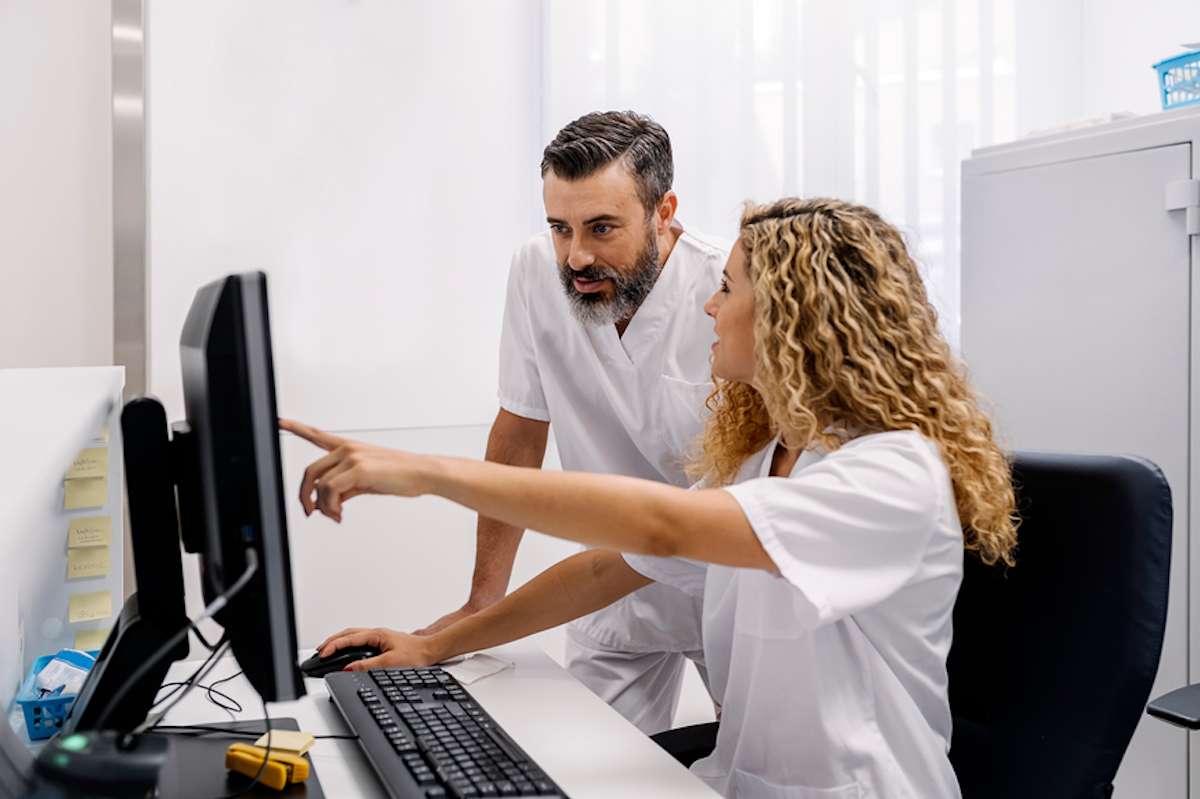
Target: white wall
<point>379,160</point>
<point>1120,41</point>
<point>55,183</point>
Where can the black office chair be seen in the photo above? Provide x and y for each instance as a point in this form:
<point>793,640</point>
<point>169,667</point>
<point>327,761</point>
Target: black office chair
<point>1053,659</point>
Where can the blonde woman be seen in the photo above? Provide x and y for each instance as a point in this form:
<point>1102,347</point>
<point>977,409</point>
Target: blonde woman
<point>845,467</point>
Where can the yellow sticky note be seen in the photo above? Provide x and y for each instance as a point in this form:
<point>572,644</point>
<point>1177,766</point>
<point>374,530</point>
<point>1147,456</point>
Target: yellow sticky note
<point>89,531</point>
<point>89,607</point>
<point>88,492</point>
<point>87,562</point>
<point>91,462</point>
<point>88,640</point>
<point>287,741</point>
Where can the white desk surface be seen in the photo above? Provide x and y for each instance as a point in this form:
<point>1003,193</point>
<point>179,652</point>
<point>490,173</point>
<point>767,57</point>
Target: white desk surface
<point>582,743</point>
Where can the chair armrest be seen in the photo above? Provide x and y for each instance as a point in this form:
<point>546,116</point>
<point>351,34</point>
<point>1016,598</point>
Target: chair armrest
<point>1180,707</point>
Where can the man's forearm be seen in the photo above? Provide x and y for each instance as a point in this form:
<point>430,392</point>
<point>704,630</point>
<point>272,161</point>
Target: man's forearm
<point>496,546</point>
<point>575,587</point>
<point>516,442</point>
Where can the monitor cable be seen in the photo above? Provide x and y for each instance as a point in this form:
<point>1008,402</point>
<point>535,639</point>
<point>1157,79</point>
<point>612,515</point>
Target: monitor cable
<point>213,608</point>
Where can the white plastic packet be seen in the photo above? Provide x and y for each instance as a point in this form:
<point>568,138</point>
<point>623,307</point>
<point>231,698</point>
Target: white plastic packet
<point>66,671</point>
<point>475,667</point>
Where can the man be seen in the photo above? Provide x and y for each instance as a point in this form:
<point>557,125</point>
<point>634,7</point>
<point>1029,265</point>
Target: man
<point>605,336</point>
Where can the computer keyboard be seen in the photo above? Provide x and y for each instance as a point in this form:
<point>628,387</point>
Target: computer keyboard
<point>427,738</point>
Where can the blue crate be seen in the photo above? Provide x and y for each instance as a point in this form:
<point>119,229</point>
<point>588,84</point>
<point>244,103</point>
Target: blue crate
<point>1179,80</point>
<point>44,716</point>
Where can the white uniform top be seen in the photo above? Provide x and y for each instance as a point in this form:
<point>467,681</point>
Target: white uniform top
<point>832,676</point>
<point>629,405</point>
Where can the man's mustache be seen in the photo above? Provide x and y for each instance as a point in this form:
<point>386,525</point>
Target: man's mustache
<point>590,273</point>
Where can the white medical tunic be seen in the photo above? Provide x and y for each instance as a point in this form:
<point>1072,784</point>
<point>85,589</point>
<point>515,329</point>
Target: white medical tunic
<point>629,405</point>
<point>832,675</point>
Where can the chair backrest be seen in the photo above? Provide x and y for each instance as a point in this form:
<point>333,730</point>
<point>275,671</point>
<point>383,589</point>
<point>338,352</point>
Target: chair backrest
<point>1053,659</point>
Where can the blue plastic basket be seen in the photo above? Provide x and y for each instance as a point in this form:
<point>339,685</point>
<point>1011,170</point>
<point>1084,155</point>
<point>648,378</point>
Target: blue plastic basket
<point>43,716</point>
<point>1179,80</point>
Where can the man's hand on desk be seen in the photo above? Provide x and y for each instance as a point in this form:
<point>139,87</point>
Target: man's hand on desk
<point>475,604</point>
<point>396,648</point>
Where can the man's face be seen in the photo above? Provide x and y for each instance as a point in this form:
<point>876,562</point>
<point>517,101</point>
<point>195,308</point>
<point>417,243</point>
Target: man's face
<point>604,242</point>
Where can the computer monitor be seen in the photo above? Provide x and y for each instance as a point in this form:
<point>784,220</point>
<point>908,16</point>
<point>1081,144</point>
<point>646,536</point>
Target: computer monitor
<point>229,396</point>
<point>215,482</point>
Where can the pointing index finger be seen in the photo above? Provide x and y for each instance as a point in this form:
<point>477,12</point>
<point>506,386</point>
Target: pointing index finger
<point>320,438</point>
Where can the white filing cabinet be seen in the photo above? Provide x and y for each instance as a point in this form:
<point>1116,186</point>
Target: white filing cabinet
<point>1080,326</point>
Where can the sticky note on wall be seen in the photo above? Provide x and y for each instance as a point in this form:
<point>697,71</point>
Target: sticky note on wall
<point>91,462</point>
<point>89,607</point>
<point>89,492</point>
<point>89,531</point>
<point>87,562</point>
<point>88,640</point>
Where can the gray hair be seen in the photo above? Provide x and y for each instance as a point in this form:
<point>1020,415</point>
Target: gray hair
<point>596,140</point>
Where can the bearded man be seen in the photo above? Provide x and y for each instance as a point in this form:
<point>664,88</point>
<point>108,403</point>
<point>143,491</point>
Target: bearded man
<point>605,338</point>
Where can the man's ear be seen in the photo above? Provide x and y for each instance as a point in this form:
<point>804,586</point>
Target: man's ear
<point>665,211</point>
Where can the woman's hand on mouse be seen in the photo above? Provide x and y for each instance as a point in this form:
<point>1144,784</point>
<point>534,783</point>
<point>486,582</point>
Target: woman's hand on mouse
<point>396,649</point>
<point>350,468</point>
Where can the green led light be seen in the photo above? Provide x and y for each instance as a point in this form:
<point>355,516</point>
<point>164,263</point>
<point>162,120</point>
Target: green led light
<point>74,743</point>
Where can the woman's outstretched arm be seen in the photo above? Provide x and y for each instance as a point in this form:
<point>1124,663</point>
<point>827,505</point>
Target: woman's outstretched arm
<point>621,513</point>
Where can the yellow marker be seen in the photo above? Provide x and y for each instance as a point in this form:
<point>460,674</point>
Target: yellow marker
<point>282,769</point>
<point>91,462</point>
<point>89,531</point>
<point>89,607</point>
<point>86,492</point>
<point>87,562</point>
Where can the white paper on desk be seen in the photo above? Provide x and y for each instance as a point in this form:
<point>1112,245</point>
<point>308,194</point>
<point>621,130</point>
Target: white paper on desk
<point>478,666</point>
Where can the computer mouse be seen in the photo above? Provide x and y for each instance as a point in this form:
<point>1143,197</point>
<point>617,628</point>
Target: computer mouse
<point>317,666</point>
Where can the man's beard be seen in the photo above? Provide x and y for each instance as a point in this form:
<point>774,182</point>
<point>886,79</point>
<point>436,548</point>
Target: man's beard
<point>630,288</point>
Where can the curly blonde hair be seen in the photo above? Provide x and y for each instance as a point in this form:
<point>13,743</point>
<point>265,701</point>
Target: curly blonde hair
<point>846,343</point>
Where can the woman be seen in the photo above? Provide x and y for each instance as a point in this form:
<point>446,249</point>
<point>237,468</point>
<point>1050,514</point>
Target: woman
<point>844,468</point>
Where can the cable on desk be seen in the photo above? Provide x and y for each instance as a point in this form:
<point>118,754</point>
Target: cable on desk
<point>211,691</point>
<point>266,757</point>
<point>191,679</point>
<point>201,729</point>
<point>212,609</point>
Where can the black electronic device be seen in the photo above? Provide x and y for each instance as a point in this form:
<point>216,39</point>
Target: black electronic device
<point>103,763</point>
<point>155,612</point>
<point>317,666</point>
<point>217,485</point>
<point>229,395</point>
<point>425,736</point>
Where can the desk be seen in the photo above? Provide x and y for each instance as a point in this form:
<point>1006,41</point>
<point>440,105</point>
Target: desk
<point>582,743</point>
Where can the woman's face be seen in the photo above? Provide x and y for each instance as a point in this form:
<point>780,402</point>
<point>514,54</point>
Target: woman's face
<point>732,309</point>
